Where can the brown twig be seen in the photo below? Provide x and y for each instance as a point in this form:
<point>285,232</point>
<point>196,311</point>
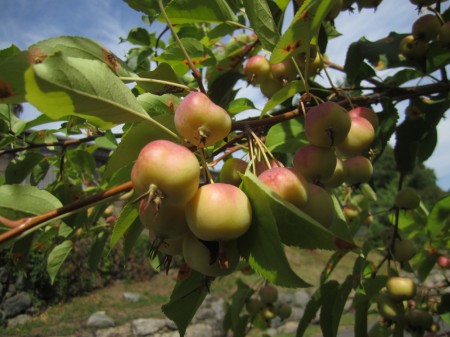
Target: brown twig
<point>34,221</point>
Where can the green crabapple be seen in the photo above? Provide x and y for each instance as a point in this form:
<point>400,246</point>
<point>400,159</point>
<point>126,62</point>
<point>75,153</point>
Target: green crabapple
<point>201,121</point>
<point>232,167</point>
<point>401,288</point>
<point>219,212</point>
<point>169,171</point>
<point>358,169</point>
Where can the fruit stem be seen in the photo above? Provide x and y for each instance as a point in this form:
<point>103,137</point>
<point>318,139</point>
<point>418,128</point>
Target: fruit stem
<point>208,176</point>
<point>195,72</point>
<point>153,80</point>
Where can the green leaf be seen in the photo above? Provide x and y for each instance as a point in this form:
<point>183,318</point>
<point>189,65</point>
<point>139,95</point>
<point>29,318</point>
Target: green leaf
<point>156,105</point>
<point>32,199</point>
<point>333,306</point>
<point>56,258</point>
<point>62,86</point>
<point>127,217</point>
<point>131,237</point>
<point>96,252</point>
<point>20,168</point>
<point>286,137</point>
<point>186,298</point>
<point>136,137</point>
<point>439,218</point>
<point>188,11</point>
<point>238,300</point>
<point>239,105</point>
<point>15,124</point>
<point>437,57</point>
<point>108,141</point>
<point>12,81</point>
<point>282,95</point>
<point>39,172</point>
<point>303,30</point>
<point>426,264</point>
<point>82,161</point>
<point>261,245</point>
<point>162,72</point>
<point>261,20</point>
<point>402,76</point>
<point>139,36</point>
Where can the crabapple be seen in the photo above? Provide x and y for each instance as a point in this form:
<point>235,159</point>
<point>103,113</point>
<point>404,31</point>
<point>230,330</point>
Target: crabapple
<point>211,259</point>
<point>284,70</point>
<point>359,138</point>
<point>253,306</point>
<point>315,63</point>
<point>229,174</point>
<point>270,86</point>
<point>201,121</point>
<point>426,27</point>
<point>287,184</point>
<point>170,172</point>
<point>366,113</point>
<point>338,176</point>
<point>351,212</point>
<point>262,165</point>
<point>166,222</point>
<point>314,162</point>
<point>171,247</point>
<point>407,198</point>
<point>413,49</point>
<point>403,250</point>
<point>419,319</point>
<point>401,288</point>
<point>443,262</point>
<point>268,294</point>
<point>444,35</point>
<point>219,212</point>
<point>327,124</point>
<point>389,308</point>
<point>284,311</point>
<point>358,170</point>
<point>320,205</point>
<point>257,69</point>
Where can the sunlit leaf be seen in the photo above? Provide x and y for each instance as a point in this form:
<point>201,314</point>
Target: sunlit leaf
<point>183,11</point>
<point>156,105</point>
<point>439,218</point>
<point>127,217</point>
<point>261,20</point>
<point>286,137</point>
<point>62,86</point>
<point>162,72</point>
<point>283,94</point>
<point>239,105</point>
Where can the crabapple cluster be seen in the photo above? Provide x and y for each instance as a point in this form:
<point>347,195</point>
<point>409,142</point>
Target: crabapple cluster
<point>398,303</point>
<point>338,140</point>
<point>425,29</point>
<point>267,306</point>
<point>203,222</point>
<point>272,77</point>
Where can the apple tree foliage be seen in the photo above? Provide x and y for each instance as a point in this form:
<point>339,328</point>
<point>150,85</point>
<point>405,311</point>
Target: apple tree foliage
<point>203,45</point>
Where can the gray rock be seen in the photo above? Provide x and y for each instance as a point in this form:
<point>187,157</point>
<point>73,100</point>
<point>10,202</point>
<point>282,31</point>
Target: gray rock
<point>120,331</point>
<point>16,304</point>
<point>147,326</point>
<point>18,321</point>
<point>100,320</point>
<point>289,327</point>
<point>285,297</point>
<point>12,288</point>
<point>132,297</point>
<point>301,298</point>
<point>200,330</point>
<point>297,314</point>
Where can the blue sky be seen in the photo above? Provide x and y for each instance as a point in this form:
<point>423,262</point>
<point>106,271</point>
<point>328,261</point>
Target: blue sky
<point>24,22</point>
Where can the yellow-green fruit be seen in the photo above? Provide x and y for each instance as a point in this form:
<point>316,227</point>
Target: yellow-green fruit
<point>407,198</point>
<point>413,49</point>
<point>231,169</point>
<point>401,288</point>
<point>320,205</point>
<point>338,177</point>
<point>389,308</point>
<point>284,311</point>
<point>403,250</point>
<point>268,294</point>
<point>426,27</point>
<point>253,306</point>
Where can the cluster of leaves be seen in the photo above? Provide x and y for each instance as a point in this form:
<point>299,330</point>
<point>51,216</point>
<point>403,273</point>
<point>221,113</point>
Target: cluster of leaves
<point>85,88</point>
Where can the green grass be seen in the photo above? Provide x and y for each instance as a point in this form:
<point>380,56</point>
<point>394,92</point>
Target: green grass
<point>70,318</point>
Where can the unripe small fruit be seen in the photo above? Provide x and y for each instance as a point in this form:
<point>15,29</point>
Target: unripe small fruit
<point>270,86</point>
<point>338,177</point>
<point>169,169</point>
<point>327,124</point>
<point>358,169</point>
<point>284,70</point>
<point>351,212</point>
<point>403,250</point>
<point>419,319</point>
<point>407,198</point>
<point>389,308</point>
<point>171,247</point>
<point>197,256</point>
<point>284,311</point>
<point>366,113</point>
<point>287,184</point>
<point>426,27</point>
<point>253,306</point>
<point>219,212</point>
<point>443,262</point>
<point>257,69</point>
<point>413,49</point>
<point>314,162</point>
<point>268,294</point>
<point>320,205</point>
<point>359,138</point>
<point>401,288</point>
<point>166,222</point>
<point>201,121</point>
<point>231,169</point>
